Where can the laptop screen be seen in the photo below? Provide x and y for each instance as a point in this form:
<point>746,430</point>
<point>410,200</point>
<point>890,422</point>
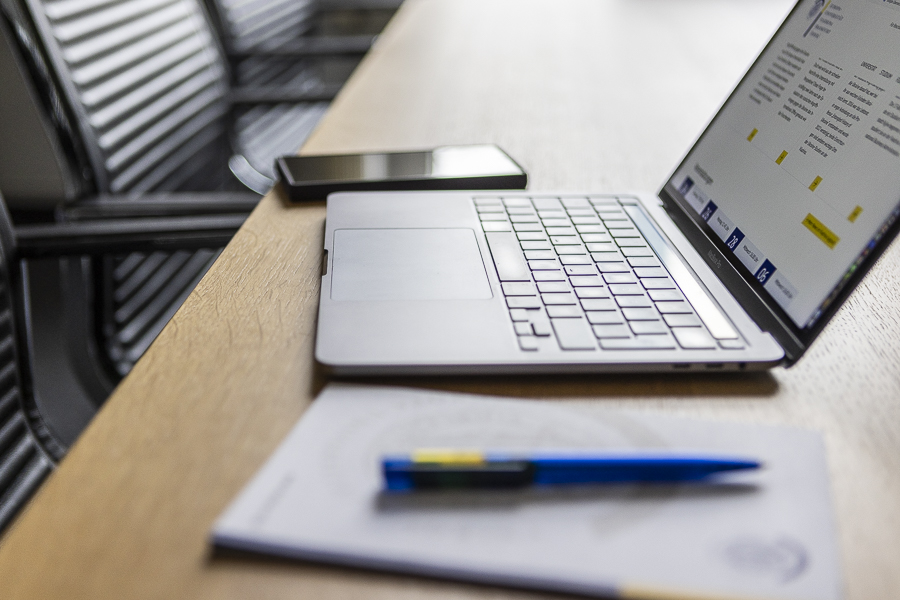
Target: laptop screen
<point>799,174</point>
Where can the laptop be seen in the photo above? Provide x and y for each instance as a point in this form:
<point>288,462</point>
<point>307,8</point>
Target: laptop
<point>738,263</point>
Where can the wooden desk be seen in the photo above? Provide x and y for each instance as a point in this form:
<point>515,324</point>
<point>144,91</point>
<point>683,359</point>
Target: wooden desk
<point>604,95</point>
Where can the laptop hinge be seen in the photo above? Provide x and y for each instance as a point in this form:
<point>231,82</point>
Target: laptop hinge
<point>755,306</point>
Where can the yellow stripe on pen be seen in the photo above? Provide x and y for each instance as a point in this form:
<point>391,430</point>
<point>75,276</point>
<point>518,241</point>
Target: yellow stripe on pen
<point>447,456</point>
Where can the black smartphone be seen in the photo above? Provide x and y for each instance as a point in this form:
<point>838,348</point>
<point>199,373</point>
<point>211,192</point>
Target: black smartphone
<point>446,168</point>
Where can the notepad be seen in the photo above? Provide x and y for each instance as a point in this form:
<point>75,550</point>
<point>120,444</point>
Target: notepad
<point>762,534</point>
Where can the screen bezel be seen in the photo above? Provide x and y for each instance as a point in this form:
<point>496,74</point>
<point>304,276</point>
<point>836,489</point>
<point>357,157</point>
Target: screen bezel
<point>758,303</point>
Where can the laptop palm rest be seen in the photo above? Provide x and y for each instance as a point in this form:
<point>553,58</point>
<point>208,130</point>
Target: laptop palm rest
<point>408,264</point>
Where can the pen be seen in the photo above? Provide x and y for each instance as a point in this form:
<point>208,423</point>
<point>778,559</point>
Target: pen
<point>473,469</point>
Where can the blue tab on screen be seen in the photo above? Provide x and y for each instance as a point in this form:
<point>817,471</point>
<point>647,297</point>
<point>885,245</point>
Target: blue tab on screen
<point>734,239</point>
<point>686,186</point>
<point>764,272</point>
<point>708,210</point>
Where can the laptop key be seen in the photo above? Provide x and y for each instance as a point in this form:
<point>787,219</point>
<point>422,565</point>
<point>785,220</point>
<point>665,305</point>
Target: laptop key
<point>518,314</point>
<point>540,255</point>
<point>575,259</point>
<point>643,261</point>
<point>694,338</point>
<point>541,325</point>
<point>552,231</point>
<point>553,286</point>
<point>565,240</point>
<point>604,317</point>
<point>626,242</point>
<point>731,344</point>
<point>623,289</point>
<point>507,255</point>
<point>612,331</point>
<point>523,302</point>
<point>549,276</point>
<point>609,246</point>
<point>496,226</point>
<point>633,301</point>
<point>535,245</point>
<point>639,342</point>
<point>640,327</point>
<point>531,235</point>
<point>518,288</point>
<point>598,304</point>
<point>528,343</point>
<point>607,266</point>
<point>637,251</point>
<point>573,334</point>
<point>577,202</point>
<point>570,250</point>
<point>563,312</point>
<point>619,278</point>
<point>517,202</point>
<point>586,281</point>
<point>674,307</point>
<point>493,216</point>
<point>522,328</point>
<point>528,227</point>
<point>657,283</point>
<point>557,299</point>
<point>547,203</point>
<point>650,272</point>
<point>544,265</point>
<point>665,295</point>
<point>592,292</point>
<point>681,320</point>
<point>581,270</point>
<point>640,314</point>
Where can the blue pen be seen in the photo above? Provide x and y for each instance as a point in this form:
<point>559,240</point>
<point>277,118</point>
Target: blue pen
<point>472,469</point>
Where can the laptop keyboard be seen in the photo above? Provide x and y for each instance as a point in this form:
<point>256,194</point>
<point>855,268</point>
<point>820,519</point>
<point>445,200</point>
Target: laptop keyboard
<point>578,271</point>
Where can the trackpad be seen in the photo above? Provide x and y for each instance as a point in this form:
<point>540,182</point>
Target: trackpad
<point>408,264</point>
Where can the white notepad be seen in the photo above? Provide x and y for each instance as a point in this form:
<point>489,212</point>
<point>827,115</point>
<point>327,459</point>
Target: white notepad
<point>761,534</point>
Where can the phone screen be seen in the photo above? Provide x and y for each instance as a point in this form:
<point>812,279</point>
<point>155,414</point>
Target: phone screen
<point>445,162</point>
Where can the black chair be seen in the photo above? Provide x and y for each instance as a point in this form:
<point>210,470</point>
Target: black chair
<point>26,448</point>
<point>273,45</point>
<point>114,119</point>
<point>36,431</point>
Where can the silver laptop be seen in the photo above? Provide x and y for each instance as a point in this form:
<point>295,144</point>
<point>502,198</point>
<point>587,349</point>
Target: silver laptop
<point>753,243</point>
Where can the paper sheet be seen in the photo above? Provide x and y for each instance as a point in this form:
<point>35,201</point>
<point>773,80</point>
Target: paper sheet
<point>762,534</point>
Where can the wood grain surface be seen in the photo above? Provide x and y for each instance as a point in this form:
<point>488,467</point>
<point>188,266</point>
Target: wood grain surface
<point>600,95</point>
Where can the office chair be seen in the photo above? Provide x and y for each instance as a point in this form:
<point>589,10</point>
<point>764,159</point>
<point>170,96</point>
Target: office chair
<point>273,45</point>
<point>35,431</point>
<point>114,114</point>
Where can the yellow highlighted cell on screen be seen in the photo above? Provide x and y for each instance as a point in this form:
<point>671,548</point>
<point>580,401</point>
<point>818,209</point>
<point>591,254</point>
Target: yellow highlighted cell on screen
<point>752,135</point>
<point>856,212</point>
<point>815,184</point>
<point>827,236</point>
<point>438,455</point>
<point>781,157</point>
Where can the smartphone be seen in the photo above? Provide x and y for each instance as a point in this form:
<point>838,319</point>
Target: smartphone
<point>445,168</point>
